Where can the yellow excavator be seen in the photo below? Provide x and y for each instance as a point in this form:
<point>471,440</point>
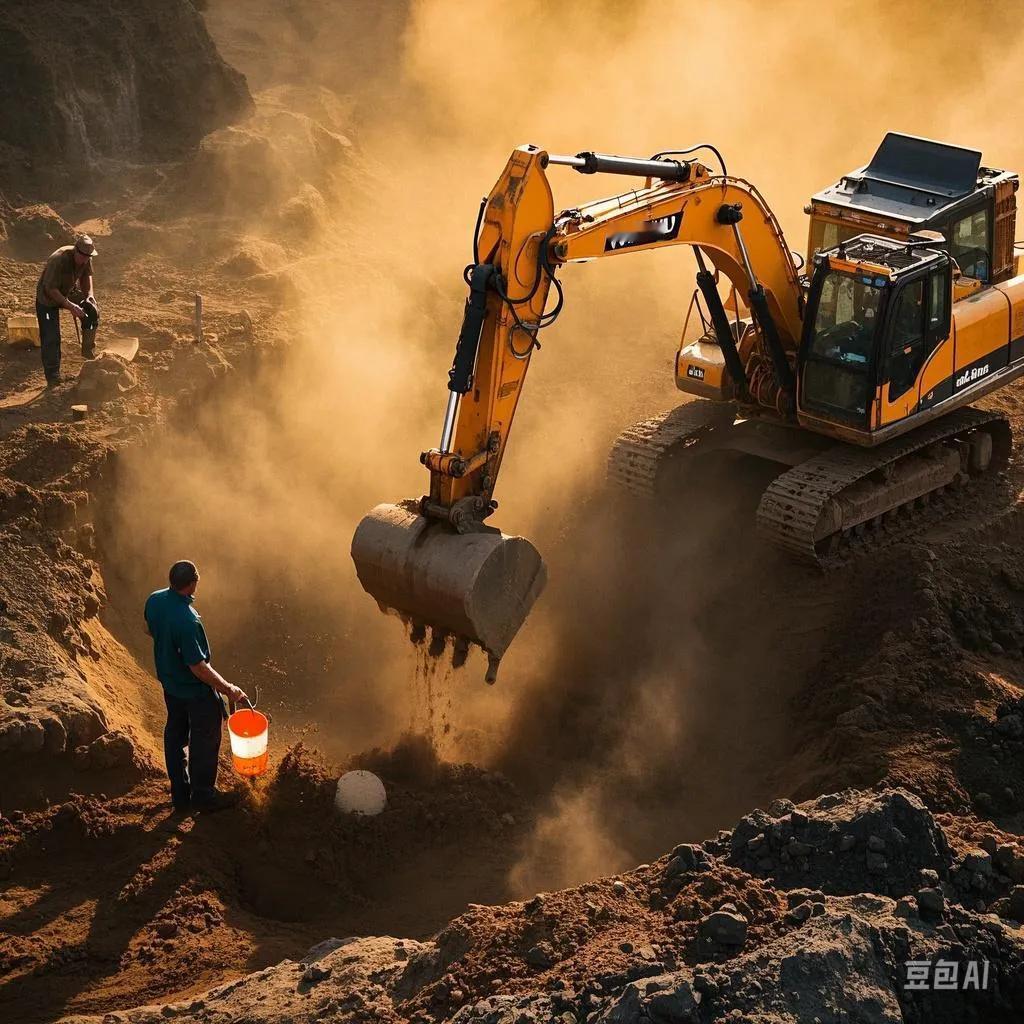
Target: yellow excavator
<point>854,381</point>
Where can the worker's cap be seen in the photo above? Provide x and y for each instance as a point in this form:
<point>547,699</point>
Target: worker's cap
<point>86,246</point>
<point>183,574</point>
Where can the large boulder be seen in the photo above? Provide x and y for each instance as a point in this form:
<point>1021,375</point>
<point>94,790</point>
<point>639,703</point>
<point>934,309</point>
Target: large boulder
<point>103,378</point>
<point>844,843</point>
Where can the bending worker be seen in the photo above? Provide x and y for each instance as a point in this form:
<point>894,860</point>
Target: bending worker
<point>192,693</point>
<point>66,276</point>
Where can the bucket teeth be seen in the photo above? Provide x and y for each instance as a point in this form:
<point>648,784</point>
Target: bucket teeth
<point>437,641</point>
<point>492,669</point>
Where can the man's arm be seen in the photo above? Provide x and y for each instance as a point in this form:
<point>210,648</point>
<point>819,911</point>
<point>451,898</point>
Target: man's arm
<point>55,296</point>
<point>194,655</point>
<point>206,673</point>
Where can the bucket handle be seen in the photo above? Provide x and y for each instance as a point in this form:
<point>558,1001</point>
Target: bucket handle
<point>252,703</point>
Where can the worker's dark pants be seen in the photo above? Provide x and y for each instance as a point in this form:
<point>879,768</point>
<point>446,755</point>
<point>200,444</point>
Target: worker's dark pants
<point>49,334</point>
<point>49,339</point>
<point>195,724</point>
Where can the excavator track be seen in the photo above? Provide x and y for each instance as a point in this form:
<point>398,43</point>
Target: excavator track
<point>641,451</point>
<point>790,509</point>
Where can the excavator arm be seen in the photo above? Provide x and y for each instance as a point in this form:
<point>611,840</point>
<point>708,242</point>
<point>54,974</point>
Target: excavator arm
<point>436,561</point>
<point>520,245</point>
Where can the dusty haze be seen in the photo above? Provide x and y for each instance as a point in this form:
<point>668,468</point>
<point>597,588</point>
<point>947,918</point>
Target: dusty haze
<point>625,683</point>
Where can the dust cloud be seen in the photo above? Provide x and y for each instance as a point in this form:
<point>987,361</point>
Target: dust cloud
<point>650,688</point>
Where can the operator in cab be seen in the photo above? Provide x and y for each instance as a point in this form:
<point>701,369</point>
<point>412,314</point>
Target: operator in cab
<point>66,283</point>
<point>192,693</point>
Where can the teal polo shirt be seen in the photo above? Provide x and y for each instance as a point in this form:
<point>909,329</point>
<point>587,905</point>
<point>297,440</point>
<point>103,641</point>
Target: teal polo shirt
<point>179,640</point>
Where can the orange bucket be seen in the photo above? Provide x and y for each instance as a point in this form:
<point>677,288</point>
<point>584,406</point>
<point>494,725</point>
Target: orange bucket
<point>249,731</point>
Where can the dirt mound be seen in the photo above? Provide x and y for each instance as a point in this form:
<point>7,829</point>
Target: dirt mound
<point>227,890</point>
<point>33,232</point>
<point>121,79</point>
<point>273,169</point>
<point>103,378</point>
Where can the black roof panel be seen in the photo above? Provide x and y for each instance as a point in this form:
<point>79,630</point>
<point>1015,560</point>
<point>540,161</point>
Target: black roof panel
<point>911,179</point>
<point>936,167</point>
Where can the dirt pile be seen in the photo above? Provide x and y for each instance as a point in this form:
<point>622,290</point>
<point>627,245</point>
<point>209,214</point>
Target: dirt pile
<point>686,939</point>
<point>117,80</point>
<point>276,170</point>
<point>27,231</point>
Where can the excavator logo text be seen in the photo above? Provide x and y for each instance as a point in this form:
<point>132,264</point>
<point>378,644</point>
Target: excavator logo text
<point>971,375</point>
<point>662,229</point>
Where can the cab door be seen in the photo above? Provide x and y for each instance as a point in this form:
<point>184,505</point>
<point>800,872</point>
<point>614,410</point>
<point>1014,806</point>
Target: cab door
<point>916,329</point>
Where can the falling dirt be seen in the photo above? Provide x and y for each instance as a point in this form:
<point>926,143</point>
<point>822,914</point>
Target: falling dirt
<point>674,675</point>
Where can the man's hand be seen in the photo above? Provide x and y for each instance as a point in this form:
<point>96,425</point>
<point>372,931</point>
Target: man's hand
<point>237,694</point>
<point>76,311</point>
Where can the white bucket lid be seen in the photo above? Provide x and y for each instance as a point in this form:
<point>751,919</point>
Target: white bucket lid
<point>360,792</point>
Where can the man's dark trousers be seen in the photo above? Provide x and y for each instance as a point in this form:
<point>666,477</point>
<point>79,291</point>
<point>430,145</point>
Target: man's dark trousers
<point>49,339</point>
<point>196,724</point>
<point>49,334</point>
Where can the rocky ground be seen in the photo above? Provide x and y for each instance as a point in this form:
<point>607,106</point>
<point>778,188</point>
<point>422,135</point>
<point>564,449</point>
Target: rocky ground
<point>800,913</point>
<point>895,688</point>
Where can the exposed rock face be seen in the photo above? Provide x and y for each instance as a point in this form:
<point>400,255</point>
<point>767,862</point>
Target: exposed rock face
<point>124,79</point>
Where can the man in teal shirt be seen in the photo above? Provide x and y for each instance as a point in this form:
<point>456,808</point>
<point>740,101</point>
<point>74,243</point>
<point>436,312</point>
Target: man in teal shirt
<point>191,692</point>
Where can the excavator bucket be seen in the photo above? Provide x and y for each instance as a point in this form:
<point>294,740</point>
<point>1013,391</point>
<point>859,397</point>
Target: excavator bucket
<point>475,587</point>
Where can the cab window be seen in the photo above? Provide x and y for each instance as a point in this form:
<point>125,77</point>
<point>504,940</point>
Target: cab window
<point>840,346</point>
<point>969,244</point>
<point>920,322</point>
<point>827,235</point>
<point>906,340</point>
<point>938,307</point>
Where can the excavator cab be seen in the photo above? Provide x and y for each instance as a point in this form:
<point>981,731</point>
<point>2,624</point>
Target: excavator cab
<point>877,308</point>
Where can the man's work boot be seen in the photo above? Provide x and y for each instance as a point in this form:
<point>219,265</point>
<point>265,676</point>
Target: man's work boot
<point>218,800</point>
<point>88,344</point>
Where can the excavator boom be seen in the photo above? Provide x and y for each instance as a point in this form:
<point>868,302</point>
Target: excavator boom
<point>436,561</point>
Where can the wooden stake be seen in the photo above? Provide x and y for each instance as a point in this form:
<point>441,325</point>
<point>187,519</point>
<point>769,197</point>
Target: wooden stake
<point>199,319</point>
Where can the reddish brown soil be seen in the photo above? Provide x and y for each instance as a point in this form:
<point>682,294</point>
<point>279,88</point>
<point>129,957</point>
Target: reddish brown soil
<point>119,901</point>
